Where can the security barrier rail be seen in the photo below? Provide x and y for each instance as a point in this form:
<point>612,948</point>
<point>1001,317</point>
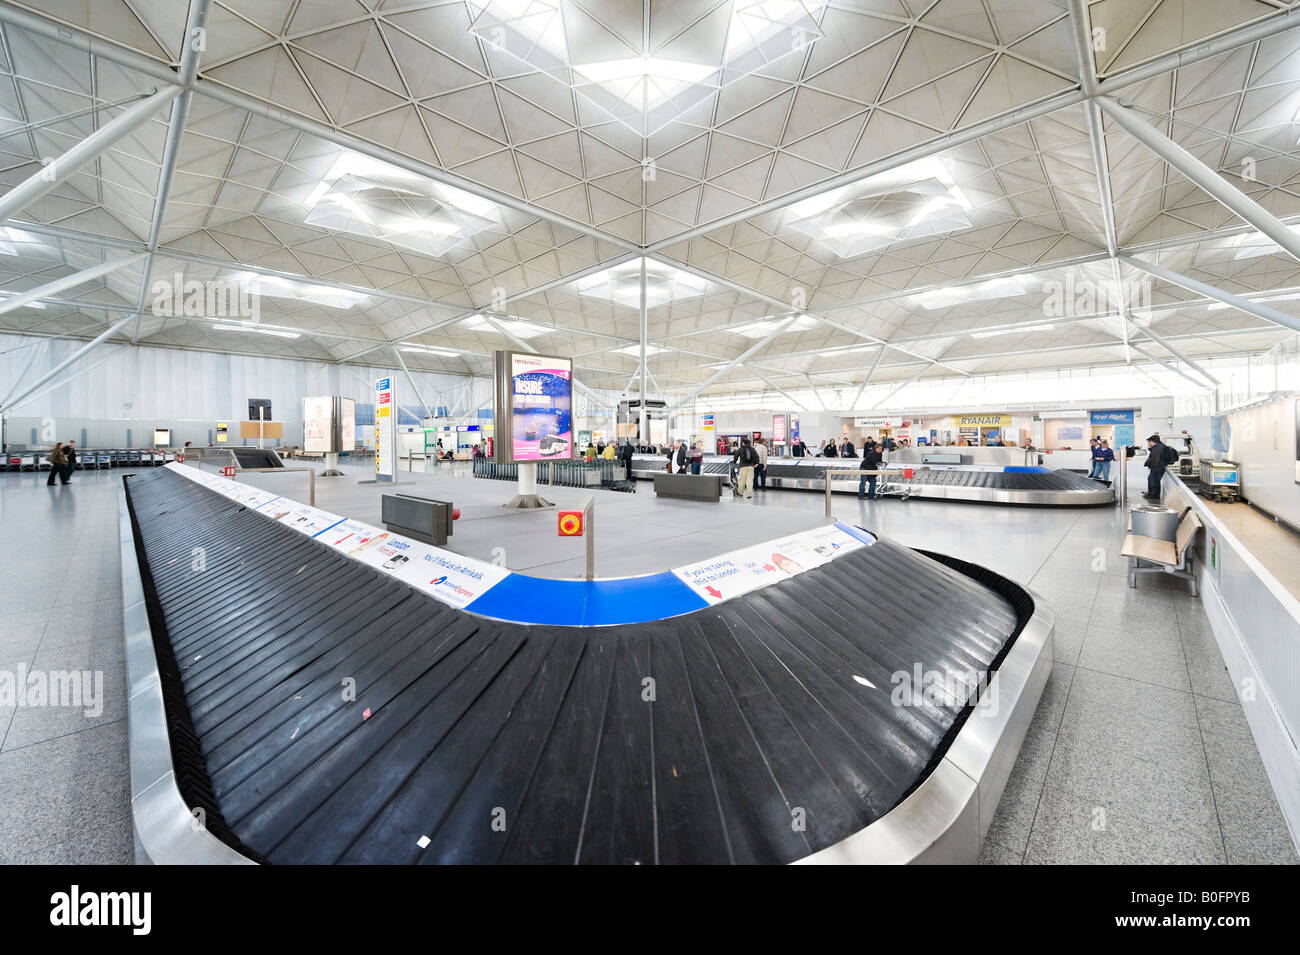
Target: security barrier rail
<point>558,473</point>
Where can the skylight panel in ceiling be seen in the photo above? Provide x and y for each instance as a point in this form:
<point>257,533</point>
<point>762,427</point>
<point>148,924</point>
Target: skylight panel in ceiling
<point>641,82</point>
<point>914,201</point>
<point>622,284</point>
<point>514,326</point>
<point>372,198</point>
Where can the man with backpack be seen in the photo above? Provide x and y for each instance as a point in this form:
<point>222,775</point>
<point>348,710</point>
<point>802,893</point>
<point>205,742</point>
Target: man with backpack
<point>871,461</point>
<point>746,461</point>
<point>1159,457</point>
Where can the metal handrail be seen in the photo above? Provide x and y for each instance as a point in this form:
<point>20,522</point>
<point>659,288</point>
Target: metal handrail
<point>845,472</point>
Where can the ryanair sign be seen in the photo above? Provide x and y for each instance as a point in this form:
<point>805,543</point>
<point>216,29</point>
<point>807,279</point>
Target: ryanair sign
<point>984,421</point>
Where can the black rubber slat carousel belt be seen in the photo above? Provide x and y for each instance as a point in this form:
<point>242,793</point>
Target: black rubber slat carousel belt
<point>475,740</point>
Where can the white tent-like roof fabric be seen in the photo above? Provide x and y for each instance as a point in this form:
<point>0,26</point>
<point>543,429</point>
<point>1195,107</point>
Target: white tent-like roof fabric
<point>936,178</point>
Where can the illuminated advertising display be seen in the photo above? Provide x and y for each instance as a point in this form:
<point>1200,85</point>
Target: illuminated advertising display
<point>318,424</point>
<point>347,424</point>
<point>778,429</point>
<point>533,419</point>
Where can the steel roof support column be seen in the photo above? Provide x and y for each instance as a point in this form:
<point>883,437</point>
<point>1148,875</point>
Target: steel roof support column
<point>411,381</point>
<point>74,357</point>
<point>867,380</point>
<point>776,387</point>
<point>189,70</point>
<point>643,433</point>
<point>904,385</point>
<point>777,329</point>
<point>1168,367</point>
<point>59,170</point>
<point>1258,309</point>
<point>1202,175</point>
<point>53,288</point>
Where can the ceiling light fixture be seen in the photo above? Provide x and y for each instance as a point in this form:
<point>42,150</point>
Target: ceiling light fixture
<point>1252,245</point>
<point>259,329</point>
<point>648,81</point>
<point>18,242</point>
<point>430,350</point>
<point>961,294</point>
<point>848,350</point>
<point>1283,297</point>
<point>764,327</point>
<point>276,287</point>
<point>515,326</point>
<point>38,304</point>
<point>1014,329</point>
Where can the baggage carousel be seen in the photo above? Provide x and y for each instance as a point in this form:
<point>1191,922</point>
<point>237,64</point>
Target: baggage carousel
<point>305,688</point>
<point>985,483</point>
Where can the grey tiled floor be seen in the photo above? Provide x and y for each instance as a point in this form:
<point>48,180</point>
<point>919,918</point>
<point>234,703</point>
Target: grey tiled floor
<point>64,789</point>
<point>1139,751</point>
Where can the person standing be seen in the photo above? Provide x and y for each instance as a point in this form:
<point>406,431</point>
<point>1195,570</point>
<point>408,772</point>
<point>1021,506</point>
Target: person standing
<point>798,448</point>
<point>58,459</point>
<point>746,461</point>
<point>830,450</point>
<point>697,457</point>
<point>677,457</point>
<point>1105,457</point>
<point>1094,447</point>
<point>847,450</point>
<point>70,455</point>
<point>1157,461</point>
<point>871,461</point>
<point>760,469</point>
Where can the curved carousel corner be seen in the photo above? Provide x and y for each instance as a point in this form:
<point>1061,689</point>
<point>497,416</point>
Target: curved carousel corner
<point>757,707</point>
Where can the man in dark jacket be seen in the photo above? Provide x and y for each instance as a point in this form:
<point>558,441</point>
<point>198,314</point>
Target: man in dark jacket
<point>625,455</point>
<point>1157,461</point>
<point>677,458</point>
<point>847,450</point>
<point>70,454</point>
<point>871,461</point>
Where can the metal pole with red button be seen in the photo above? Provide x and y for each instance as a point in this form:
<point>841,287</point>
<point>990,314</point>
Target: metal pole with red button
<point>581,524</point>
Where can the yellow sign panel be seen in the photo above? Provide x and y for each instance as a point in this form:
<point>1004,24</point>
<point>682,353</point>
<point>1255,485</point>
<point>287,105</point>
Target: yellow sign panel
<point>984,421</point>
<point>382,413</point>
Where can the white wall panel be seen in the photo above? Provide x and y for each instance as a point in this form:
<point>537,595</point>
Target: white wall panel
<point>118,387</point>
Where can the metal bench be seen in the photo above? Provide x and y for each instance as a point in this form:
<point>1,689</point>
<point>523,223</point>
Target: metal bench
<point>1150,555</point>
<point>691,487</point>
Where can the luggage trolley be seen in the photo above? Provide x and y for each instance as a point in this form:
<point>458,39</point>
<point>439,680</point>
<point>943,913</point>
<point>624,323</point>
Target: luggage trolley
<point>887,487</point>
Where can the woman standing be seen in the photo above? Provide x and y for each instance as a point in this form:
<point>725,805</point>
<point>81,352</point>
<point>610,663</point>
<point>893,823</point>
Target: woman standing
<point>58,462</point>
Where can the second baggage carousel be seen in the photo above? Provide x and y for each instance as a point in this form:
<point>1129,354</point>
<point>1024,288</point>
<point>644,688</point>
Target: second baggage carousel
<point>981,483</point>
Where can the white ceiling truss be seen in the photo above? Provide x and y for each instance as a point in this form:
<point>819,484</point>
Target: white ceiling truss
<point>821,193</point>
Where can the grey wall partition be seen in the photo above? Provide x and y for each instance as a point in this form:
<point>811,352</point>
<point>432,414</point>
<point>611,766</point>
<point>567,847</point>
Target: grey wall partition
<point>1264,444</point>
